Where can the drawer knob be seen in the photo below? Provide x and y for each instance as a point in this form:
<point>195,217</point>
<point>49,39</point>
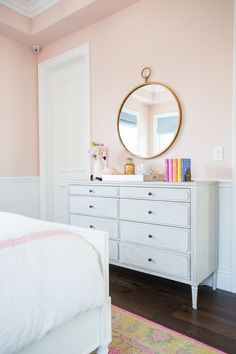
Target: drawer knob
<point>149,259</point>
<point>91,206</point>
<point>91,226</point>
<point>150,236</point>
<point>149,212</point>
<point>150,193</point>
<point>90,191</point>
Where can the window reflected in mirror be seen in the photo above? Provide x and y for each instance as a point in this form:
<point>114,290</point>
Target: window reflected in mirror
<point>129,129</point>
<point>165,125</point>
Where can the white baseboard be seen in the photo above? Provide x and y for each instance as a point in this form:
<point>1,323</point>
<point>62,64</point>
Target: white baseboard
<point>224,273</point>
<point>20,195</point>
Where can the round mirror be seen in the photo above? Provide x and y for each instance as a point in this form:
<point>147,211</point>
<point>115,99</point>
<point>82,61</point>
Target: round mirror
<point>149,120</point>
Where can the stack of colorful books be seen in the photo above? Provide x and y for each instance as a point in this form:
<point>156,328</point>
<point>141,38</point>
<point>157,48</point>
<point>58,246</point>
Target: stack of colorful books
<point>177,170</point>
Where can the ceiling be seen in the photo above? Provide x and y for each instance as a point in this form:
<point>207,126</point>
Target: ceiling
<point>44,21</point>
<point>29,8</point>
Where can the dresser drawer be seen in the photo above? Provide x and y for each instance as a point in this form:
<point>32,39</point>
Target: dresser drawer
<point>93,191</point>
<point>113,251</point>
<point>149,193</point>
<point>92,222</point>
<point>163,262</point>
<point>95,206</point>
<point>156,212</point>
<point>171,238</point>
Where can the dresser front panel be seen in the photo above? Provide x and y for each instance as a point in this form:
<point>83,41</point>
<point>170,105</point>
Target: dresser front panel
<point>94,206</point>
<point>164,229</point>
<point>155,212</point>
<point>96,223</point>
<point>171,238</point>
<point>160,261</point>
<point>168,194</point>
<point>93,191</point>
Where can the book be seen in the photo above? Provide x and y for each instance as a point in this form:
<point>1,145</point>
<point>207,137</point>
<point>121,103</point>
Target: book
<point>175,170</point>
<point>186,165</point>
<point>179,170</point>
<point>170,170</point>
<point>167,170</point>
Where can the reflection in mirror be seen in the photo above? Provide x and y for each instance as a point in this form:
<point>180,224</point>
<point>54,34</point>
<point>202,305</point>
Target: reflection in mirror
<point>149,120</point>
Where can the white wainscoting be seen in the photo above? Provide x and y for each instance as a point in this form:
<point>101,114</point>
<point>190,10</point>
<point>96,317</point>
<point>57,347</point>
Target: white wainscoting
<point>225,272</point>
<point>20,195</point>
<point>225,236</point>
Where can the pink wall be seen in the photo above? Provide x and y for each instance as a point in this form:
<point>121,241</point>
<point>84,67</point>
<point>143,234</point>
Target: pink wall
<point>18,102</point>
<point>188,44</point>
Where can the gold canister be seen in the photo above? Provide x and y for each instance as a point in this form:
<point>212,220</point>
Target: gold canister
<point>129,167</point>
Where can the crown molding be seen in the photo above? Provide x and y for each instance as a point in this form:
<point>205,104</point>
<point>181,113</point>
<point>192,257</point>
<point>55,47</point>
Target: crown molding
<point>29,8</point>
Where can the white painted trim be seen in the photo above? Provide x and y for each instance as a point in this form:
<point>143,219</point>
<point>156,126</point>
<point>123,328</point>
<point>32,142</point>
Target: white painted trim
<point>44,69</point>
<point>224,275</point>
<point>30,9</point>
<point>19,179</point>
<point>61,58</point>
<point>224,280</point>
<point>225,184</point>
<point>233,248</point>
<point>20,195</point>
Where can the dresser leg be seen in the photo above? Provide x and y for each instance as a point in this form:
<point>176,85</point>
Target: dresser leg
<point>194,297</point>
<point>214,281</point>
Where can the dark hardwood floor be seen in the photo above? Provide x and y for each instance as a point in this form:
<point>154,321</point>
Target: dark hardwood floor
<point>169,303</point>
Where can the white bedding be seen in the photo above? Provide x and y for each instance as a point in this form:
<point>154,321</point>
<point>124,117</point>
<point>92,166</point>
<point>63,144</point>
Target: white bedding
<point>47,276</point>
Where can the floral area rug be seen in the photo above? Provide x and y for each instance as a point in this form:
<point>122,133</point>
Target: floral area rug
<point>133,334</point>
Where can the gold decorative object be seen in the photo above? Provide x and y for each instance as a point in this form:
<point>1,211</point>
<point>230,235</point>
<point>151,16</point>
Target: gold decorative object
<point>146,73</point>
<point>149,118</point>
<point>129,167</point>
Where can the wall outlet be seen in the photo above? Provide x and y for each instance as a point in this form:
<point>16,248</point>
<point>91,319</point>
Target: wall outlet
<point>218,153</point>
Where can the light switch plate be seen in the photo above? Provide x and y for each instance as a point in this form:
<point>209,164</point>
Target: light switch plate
<point>218,153</point>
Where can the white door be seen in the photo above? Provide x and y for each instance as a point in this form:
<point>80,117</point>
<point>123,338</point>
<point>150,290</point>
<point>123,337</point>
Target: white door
<point>64,117</point>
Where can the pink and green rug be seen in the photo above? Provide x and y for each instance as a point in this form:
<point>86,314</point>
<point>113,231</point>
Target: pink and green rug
<point>133,334</point>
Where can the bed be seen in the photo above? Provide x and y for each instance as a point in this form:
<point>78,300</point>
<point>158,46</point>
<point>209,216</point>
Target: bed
<point>54,296</point>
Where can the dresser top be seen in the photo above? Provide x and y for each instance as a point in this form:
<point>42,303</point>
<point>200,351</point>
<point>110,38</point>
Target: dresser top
<point>145,184</point>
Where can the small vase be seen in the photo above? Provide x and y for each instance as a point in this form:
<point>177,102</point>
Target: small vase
<point>106,169</point>
<point>98,167</point>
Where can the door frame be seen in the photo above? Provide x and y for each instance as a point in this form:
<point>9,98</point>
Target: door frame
<point>45,70</point>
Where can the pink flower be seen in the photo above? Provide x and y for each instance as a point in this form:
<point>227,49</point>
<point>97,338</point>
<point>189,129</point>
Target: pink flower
<point>98,150</point>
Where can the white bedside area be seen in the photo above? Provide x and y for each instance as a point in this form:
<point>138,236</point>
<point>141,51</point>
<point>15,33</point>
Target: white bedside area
<point>166,229</point>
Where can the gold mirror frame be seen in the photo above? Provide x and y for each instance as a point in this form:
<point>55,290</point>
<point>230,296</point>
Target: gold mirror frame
<point>179,117</point>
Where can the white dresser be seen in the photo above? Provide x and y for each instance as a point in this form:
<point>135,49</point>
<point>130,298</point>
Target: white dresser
<point>166,229</point>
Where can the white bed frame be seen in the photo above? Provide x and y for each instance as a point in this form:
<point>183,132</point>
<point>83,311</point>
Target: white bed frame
<point>90,330</point>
